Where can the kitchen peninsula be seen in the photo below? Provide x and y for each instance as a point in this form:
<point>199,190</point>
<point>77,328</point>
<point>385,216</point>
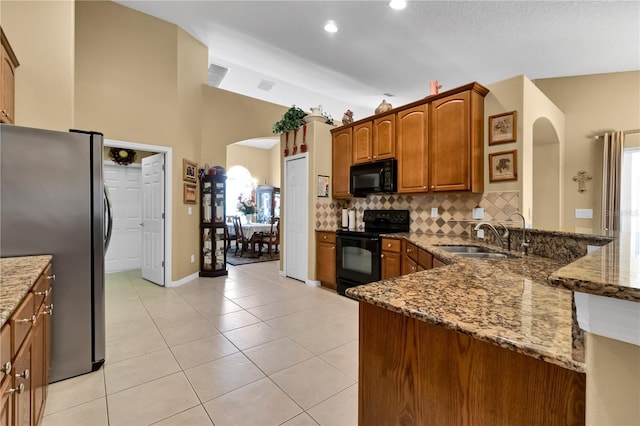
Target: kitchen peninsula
<point>472,342</point>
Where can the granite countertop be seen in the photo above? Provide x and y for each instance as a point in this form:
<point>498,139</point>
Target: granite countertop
<point>611,271</point>
<point>507,302</point>
<point>17,276</point>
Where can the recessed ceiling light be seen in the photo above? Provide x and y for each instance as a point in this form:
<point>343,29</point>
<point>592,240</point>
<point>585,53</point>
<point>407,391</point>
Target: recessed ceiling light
<point>331,27</point>
<point>398,4</point>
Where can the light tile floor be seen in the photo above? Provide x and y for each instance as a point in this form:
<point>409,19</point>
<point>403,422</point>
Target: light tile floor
<point>253,348</point>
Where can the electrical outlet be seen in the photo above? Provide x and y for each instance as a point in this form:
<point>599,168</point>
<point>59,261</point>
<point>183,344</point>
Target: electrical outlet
<point>478,213</point>
<point>434,212</point>
<point>189,212</point>
<point>584,213</point>
<point>480,233</point>
<point>193,258</point>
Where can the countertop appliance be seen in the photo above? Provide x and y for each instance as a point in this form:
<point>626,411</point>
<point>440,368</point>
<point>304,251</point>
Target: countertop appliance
<point>358,251</point>
<point>52,201</point>
<point>373,178</point>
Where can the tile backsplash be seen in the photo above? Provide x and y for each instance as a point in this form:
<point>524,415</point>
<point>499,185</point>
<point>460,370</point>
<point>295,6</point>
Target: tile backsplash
<point>451,207</point>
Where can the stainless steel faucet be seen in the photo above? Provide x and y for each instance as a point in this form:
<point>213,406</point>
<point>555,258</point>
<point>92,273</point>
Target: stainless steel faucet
<point>524,245</point>
<point>504,238</point>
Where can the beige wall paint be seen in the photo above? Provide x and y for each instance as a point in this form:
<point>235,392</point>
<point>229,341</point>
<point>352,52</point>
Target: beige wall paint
<point>613,382</point>
<point>276,172</point>
<point>42,35</point>
<point>591,104</point>
<point>139,79</point>
<point>256,160</point>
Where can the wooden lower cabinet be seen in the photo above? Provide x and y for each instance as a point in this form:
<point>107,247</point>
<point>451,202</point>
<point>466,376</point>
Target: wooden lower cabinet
<point>391,259</point>
<point>412,372</point>
<point>410,258</point>
<point>24,389</point>
<point>326,258</point>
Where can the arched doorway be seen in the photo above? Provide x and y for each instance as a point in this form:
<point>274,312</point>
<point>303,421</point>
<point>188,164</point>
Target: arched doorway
<point>546,176</point>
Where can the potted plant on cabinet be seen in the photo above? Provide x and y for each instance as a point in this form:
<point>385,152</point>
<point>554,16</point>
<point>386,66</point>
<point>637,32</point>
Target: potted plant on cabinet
<point>293,119</point>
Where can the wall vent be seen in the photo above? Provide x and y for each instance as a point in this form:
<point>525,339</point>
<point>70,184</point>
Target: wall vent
<point>216,74</point>
<point>265,85</point>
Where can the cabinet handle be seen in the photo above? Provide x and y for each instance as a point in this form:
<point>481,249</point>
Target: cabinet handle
<point>51,277</point>
<point>6,367</point>
<point>375,156</point>
<point>32,319</point>
<point>382,256</point>
<point>433,187</point>
<point>48,309</point>
<point>333,247</point>
<point>24,375</point>
<point>324,237</point>
<point>388,244</point>
<point>42,293</point>
<point>19,389</point>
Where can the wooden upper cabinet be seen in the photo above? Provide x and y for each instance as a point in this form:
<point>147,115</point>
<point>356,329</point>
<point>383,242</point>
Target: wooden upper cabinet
<point>341,163</point>
<point>8,66</point>
<point>362,146</point>
<point>412,149</point>
<point>384,137</point>
<point>456,145</point>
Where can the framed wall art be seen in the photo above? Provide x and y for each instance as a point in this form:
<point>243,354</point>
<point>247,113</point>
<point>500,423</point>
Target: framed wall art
<point>189,171</point>
<point>503,128</point>
<point>503,166</point>
<point>189,193</point>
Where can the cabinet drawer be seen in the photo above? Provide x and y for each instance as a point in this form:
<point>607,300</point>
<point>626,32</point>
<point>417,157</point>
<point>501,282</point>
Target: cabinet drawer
<point>411,251</point>
<point>389,244</point>
<point>5,350</point>
<point>21,322</point>
<point>42,287</point>
<point>326,237</point>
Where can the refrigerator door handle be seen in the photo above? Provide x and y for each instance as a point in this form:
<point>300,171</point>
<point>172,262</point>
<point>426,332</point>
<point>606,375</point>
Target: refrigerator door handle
<point>109,214</point>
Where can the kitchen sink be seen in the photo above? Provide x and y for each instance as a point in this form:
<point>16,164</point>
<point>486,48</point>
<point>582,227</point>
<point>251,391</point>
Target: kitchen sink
<point>475,252</point>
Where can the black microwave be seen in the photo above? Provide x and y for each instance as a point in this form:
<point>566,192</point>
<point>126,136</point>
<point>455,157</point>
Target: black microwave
<point>373,178</point>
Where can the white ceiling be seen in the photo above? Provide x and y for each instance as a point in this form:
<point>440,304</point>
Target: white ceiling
<point>378,50</point>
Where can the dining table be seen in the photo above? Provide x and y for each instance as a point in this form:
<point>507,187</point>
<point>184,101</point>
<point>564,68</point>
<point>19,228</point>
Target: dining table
<point>248,229</point>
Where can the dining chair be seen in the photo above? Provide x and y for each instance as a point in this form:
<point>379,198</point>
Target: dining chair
<point>230,234</point>
<point>244,242</point>
<point>272,239</point>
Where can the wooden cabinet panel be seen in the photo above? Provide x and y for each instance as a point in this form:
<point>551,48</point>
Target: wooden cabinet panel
<point>5,351</point>
<point>391,264</point>
<point>384,137</point>
<point>413,372</point>
<point>6,402</point>
<point>326,259</point>
<point>362,149</point>
<point>410,250</point>
<point>425,259</point>
<point>8,65</point>
<point>21,321</point>
<point>449,143</point>
<point>437,262</point>
<point>22,397</point>
<point>391,245</point>
<point>409,266</point>
<point>341,163</point>
<point>412,149</point>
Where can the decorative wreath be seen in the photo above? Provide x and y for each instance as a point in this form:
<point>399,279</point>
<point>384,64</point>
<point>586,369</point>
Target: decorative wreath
<point>122,156</point>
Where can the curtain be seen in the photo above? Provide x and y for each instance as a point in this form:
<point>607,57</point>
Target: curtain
<point>611,180</point>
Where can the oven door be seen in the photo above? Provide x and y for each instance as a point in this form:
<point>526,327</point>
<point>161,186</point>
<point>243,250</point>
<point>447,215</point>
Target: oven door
<point>357,259</point>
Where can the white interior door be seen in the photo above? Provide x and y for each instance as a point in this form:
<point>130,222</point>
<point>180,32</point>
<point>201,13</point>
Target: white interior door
<point>153,218</point>
<point>296,220</point>
<point>124,253</point>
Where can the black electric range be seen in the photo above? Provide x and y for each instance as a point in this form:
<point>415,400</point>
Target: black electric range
<point>358,251</point>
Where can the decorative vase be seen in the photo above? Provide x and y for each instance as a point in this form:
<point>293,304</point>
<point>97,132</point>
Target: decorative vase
<point>347,118</point>
<point>249,217</point>
<point>383,107</point>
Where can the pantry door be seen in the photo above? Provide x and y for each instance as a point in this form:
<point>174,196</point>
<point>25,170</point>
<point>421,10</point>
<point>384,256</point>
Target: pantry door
<point>153,218</point>
<point>296,217</point>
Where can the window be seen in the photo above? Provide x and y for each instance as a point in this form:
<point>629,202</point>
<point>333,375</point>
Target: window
<point>239,183</point>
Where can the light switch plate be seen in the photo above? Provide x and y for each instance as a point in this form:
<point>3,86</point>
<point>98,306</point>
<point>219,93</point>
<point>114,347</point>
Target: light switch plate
<point>584,213</point>
<point>193,258</point>
<point>434,212</point>
<point>189,211</point>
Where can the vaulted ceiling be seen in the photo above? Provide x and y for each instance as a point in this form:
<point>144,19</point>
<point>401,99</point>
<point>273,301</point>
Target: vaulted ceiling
<point>378,51</point>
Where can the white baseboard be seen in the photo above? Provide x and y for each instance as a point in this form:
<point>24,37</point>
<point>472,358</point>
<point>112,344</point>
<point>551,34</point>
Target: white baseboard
<point>282,273</point>
<point>184,280</point>
<point>312,283</point>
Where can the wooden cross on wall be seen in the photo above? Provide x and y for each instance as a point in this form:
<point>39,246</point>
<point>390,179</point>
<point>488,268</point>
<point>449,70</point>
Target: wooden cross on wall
<point>581,178</point>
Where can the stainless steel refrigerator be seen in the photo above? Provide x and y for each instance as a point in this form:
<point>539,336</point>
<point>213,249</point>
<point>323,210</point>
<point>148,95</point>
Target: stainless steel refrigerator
<point>52,201</point>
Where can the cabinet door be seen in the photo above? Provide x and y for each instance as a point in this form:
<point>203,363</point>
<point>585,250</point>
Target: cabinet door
<point>38,369</point>
<point>362,143</point>
<point>340,164</point>
<point>326,255</point>
<point>409,266</point>
<point>8,88</point>
<point>391,265</point>
<point>6,402</point>
<point>22,371</point>
<point>450,144</point>
<point>412,149</point>
<point>384,137</point>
